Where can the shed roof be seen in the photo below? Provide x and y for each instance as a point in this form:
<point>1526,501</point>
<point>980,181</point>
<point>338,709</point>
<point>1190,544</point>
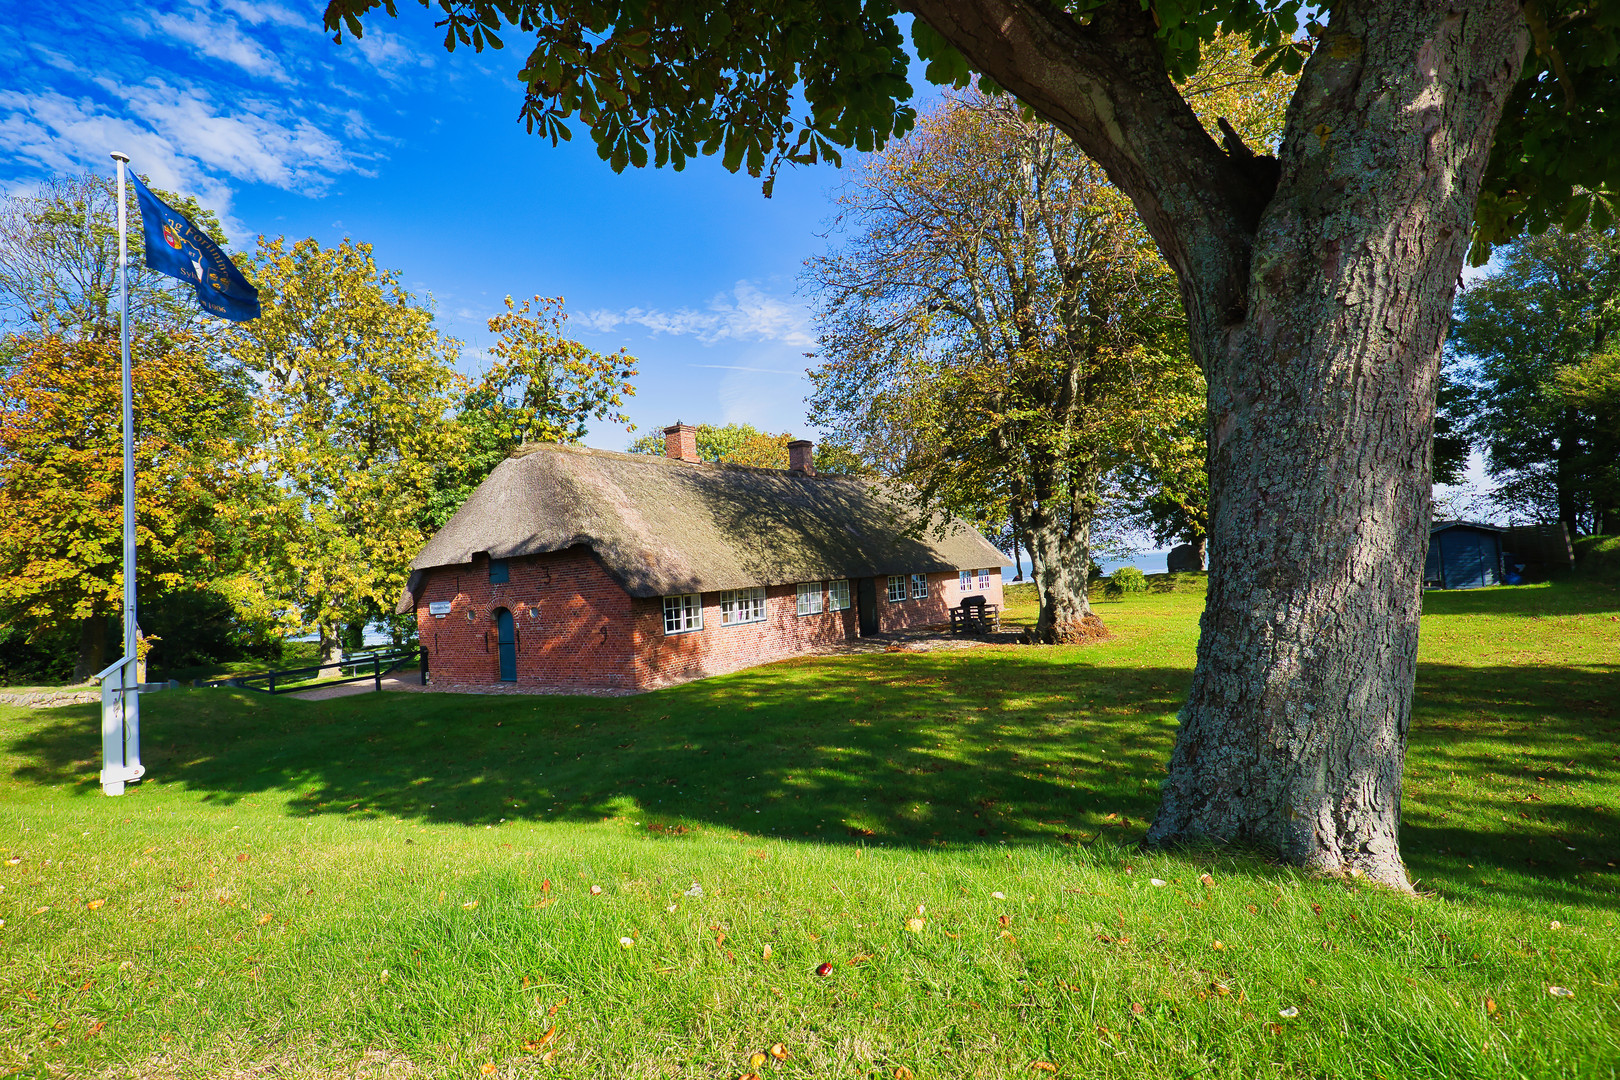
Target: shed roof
<point>1440,526</point>
<point>663,526</point>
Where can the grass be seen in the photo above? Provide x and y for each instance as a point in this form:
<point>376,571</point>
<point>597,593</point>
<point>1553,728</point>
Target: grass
<point>400,885</point>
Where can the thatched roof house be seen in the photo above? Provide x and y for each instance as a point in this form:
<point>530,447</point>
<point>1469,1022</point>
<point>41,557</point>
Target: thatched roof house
<point>676,527</point>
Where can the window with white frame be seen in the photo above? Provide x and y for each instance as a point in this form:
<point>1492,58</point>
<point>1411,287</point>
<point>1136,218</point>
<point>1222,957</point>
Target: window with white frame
<point>964,580</point>
<point>919,586</point>
<point>683,613</point>
<point>984,579</point>
<point>742,606</point>
<point>809,597</point>
<point>838,596</point>
<point>897,588</point>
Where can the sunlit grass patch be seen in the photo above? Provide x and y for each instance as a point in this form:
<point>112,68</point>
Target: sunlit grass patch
<point>404,882</point>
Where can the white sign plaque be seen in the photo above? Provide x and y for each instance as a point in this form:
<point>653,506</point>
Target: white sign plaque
<point>439,608</point>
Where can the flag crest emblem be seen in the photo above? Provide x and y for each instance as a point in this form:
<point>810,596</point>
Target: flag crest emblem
<point>170,236</point>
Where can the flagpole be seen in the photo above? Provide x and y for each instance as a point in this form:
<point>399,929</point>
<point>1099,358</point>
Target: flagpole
<point>120,695</point>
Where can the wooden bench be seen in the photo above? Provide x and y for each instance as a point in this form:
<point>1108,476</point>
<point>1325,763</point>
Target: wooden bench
<point>975,616</point>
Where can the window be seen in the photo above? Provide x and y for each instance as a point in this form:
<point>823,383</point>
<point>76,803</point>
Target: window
<point>984,579</point>
<point>809,597</point>
<point>964,580</point>
<point>919,586</point>
<point>742,606</point>
<point>897,588</point>
<point>838,596</point>
<point>683,613</point>
<point>497,572</point>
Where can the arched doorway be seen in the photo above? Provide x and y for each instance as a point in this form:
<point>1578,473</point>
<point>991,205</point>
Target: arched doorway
<point>506,638</point>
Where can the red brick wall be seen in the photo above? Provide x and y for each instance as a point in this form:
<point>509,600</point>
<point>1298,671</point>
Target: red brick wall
<point>591,634</point>
<point>717,649</point>
<point>944,593</point>
<point>581,638</point>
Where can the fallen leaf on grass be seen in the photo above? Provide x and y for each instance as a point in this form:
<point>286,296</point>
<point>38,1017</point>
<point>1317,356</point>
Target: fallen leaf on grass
<point>1275,1029</point>
<point>553,1010</point>
<point>1157,883</point>
<point>779,1052</point>
<point>756,1060</point>
<point>242,857</point>
<point>1556,925</point>
<point>1560,991</point>
<point>266,919</point>
<point>540,1043</point>
<point>914,925</point>
<point>1206,881</point>
<point>998,896</point>
<point>858,958</point>
<point>765,953</point>
<point>470,904</point>
<point>902,1073</point>
<point>95,1028</point>
<point>545,886</point>
<point>626,943</point>
<point>1490,1004</point>
<point>1043,1066</point>
<point>487,1068</point>
<point>94,904</point>
<point>1220,988</point>
<point>1289,1013</point>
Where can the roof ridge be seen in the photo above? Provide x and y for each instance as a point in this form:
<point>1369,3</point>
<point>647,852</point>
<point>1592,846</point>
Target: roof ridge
<point>526,449</point>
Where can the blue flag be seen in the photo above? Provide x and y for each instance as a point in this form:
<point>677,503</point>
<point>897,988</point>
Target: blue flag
<point>176,247</point>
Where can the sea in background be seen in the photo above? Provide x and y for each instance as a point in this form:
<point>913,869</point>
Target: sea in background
<point>1149,562</point>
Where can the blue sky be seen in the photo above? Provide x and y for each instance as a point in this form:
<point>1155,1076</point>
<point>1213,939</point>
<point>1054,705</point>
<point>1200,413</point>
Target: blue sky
<point>251,107</point>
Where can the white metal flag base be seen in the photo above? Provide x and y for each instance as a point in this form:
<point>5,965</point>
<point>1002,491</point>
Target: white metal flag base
<point>120,726</point>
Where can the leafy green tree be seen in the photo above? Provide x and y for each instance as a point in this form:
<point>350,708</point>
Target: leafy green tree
<point>352,418</point>
<point>59,263</point>
<point>1553,303</point>
<point>61,480</point>
<point>999,333</point>
<point>543,387</point>
<point>741,444</point>
<point>1317,286</point>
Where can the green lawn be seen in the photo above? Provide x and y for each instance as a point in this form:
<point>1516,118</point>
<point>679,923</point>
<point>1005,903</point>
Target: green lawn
<point>393,885</point>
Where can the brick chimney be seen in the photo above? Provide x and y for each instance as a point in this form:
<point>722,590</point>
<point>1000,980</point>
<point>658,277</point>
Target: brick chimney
<point>680,442</point>
<point>801,456</point>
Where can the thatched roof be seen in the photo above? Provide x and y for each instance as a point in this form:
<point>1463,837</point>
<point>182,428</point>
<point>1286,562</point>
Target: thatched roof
<point>663,526</point>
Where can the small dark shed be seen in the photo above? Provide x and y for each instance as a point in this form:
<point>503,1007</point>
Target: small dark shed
<point>1463,555</point>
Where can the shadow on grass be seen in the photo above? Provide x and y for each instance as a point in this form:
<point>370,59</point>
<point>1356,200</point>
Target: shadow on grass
<point>995,745</point>
<point>1570,595</point>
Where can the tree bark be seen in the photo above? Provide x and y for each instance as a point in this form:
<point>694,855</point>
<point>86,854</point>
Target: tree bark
<point>1317,303</point>
<point>91,655</point>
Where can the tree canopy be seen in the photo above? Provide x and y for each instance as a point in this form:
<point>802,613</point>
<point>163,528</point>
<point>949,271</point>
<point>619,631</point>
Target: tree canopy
<point>1531,345</point>
<point>801,80</point>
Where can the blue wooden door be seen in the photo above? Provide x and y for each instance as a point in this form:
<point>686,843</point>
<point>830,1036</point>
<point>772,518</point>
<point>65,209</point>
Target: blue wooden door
<point>506,635</point>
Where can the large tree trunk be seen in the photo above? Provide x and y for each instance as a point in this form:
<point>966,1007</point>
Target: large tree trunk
<point>91,656</point>
<point>1062,562</point>
<point>1321,406</point>
<point>1317,291</point>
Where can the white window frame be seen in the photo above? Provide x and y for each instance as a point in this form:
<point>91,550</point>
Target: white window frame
<point>919,586</point>
<point>897,588</point>
<point>964,581</point>
<point>740,606</point>
<point>984,579</point>
<point>838,595</point>
<point>808,597</point>
<point>683,614</point>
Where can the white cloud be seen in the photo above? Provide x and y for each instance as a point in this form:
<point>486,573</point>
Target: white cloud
<point>253,12</point>
<point>747,315</point>
<point>219,38</point>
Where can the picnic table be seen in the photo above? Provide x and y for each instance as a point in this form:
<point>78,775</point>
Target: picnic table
<point>975,616</point>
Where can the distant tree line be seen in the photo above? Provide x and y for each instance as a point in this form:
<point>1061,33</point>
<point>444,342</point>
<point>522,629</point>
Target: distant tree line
<point>288,469</point>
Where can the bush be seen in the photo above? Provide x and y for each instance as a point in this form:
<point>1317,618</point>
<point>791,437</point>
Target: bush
<point>1598,555</point>
<point>1127,579</point>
